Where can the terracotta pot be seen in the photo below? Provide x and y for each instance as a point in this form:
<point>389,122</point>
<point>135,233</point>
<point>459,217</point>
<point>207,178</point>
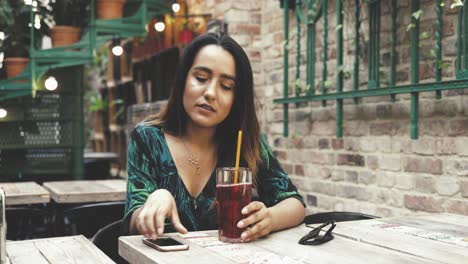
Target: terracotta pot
<point>64,35</point>
<point>15,66</point>
<point>108,9</point>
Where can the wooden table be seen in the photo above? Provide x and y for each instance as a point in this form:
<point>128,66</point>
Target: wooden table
<point>441,238</point>
<point>18,193</point>
<point>72,249</point>
<point>86,191</point>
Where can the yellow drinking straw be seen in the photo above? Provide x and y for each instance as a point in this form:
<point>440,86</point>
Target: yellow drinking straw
<point>239,141</point>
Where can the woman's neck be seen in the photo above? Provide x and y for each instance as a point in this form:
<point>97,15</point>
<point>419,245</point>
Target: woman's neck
<point>200,137</point>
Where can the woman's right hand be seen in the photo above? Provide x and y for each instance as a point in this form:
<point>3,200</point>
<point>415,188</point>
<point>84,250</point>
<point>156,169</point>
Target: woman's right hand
<point>151,216</point>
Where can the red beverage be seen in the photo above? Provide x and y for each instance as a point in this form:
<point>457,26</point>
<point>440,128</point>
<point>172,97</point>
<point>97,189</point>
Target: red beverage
<point>230,199</point>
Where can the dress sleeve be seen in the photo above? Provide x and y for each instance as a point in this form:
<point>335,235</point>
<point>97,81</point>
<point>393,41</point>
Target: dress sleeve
<point>140,170</point>
<point>273,184</point>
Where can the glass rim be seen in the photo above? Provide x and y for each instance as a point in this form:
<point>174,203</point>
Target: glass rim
<point>233,168</point>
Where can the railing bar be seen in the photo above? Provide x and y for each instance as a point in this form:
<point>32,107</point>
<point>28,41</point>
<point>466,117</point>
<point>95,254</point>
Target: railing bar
<point>311,38</point>
<point>339,62</point>
<point>369,75</point>
<point>297,87</point>
<point>377,44</point>
<point>285,68</point>
<point>402,89</point>
<point>459,39</point>
<point>414,114</point>
<point>357,25</point>
<point>324,49</point>
<point>393,48</point>
<point>465,38</point>
<point>438,48</point>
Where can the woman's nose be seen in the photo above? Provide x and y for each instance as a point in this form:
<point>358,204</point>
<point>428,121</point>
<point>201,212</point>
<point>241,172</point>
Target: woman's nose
<point>210,91</point>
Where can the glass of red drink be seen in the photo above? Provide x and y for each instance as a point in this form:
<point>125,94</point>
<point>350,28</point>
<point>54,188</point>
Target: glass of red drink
<point>231,198</point>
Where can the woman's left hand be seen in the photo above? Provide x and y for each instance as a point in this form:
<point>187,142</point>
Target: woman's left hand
<point>260,220</point>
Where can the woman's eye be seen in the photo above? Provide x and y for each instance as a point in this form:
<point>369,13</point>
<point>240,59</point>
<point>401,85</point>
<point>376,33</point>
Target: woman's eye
<point>201,79</point>
<point>226,87</point>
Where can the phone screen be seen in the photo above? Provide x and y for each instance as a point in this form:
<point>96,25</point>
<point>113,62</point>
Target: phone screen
<point>165,241</point>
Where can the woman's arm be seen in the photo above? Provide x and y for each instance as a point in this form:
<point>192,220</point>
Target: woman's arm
<point>287,213</point>
<point>263,220</point>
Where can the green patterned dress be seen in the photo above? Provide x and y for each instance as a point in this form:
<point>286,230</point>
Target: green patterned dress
<point>150,167</point>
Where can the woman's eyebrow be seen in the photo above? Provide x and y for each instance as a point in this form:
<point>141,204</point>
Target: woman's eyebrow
<point>208,70</point>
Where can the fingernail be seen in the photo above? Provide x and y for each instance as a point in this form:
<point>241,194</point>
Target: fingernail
<point>160,231</point>
<point>240,224</point>
<point>245,211</point>
<point>244,235</point>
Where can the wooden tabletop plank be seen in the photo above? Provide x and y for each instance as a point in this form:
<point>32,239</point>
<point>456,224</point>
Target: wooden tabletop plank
<point>279,247</point>
<point>132,249</point>
<point>387,233</point>
<point>86,191</point>
<point>74,249</point>
<point>18,193</point>
<point>339,250</point>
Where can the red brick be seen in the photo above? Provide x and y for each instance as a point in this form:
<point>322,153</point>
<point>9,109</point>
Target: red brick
<point>423,203</point>
<point>458,127</point>
<point>464,188</point>
<point>288,168</point>
<point>299,170</point>
<point>426,165</point>
<point>280,155</point>
<point>458,207</point>
<point>351,160</point>
<point>324,143</point>
<point>337,143</point>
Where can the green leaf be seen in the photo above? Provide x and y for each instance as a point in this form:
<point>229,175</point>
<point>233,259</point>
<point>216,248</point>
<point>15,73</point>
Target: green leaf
<point>327,83</point>
<point>456,3</point>
<point>442,3</point>
<point>424,35</point>
<point>410,27</point>
<point>338,27</point>
<point>417,14</point>
<point>432,53</point>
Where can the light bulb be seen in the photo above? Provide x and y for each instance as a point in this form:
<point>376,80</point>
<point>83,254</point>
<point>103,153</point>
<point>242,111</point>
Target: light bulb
<point>175,7</point>
<point>117,50</point>
<point>3,113</point>
<point>51,83</point>
<point>159,26</point>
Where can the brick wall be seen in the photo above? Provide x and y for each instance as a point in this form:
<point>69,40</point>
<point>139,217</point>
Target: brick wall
<point>375,168</point>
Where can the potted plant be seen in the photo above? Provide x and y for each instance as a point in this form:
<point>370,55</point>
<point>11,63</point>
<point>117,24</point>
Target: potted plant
<point>70,16</point>
<point>14,22</point>
<point>109,9</point>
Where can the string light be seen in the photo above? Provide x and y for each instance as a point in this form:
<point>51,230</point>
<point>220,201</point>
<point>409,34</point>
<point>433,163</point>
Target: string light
<point>51,83</point>
<point>160,26</point>
<point>117,50</point>
<point>3,113</point>
<point>175,7</point>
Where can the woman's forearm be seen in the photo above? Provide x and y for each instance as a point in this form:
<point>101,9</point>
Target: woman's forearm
<point>287,213</point>
<point>133,229</point>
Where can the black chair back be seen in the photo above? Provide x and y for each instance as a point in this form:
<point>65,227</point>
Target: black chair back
<point>28,223</point>
<point>88,219</point>
<point>107,240</point>
<point>336,217</point>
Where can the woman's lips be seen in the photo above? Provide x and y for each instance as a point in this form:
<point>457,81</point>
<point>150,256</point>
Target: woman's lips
<point>207,107</point>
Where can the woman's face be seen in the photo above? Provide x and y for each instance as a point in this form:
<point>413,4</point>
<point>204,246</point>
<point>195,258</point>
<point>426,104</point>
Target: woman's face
<point>209,88</point>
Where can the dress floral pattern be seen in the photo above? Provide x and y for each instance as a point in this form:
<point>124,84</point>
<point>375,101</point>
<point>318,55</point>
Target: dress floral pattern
<point>150,166</point>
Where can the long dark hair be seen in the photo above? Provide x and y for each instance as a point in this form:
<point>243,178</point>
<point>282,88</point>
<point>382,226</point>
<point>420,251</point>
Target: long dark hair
<point>242,116</point>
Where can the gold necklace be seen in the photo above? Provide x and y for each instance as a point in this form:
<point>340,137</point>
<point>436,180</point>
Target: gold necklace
<point>193,160</point>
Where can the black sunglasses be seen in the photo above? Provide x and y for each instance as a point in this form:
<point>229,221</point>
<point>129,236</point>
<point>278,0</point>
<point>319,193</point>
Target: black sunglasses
<point>313,238</point>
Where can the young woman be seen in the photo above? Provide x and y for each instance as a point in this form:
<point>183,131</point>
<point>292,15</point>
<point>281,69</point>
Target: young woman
<point>172,156</point>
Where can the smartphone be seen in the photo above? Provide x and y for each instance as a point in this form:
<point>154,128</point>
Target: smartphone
<point>165,244</point>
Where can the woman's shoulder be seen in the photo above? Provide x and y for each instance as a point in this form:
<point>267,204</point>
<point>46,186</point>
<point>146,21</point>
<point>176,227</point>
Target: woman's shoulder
<point>148,132</point>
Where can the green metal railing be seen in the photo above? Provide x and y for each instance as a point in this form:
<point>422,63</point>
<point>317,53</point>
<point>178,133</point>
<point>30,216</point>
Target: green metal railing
<point>43,134</point>
<point>318,10</point>
<point>81,53</point>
